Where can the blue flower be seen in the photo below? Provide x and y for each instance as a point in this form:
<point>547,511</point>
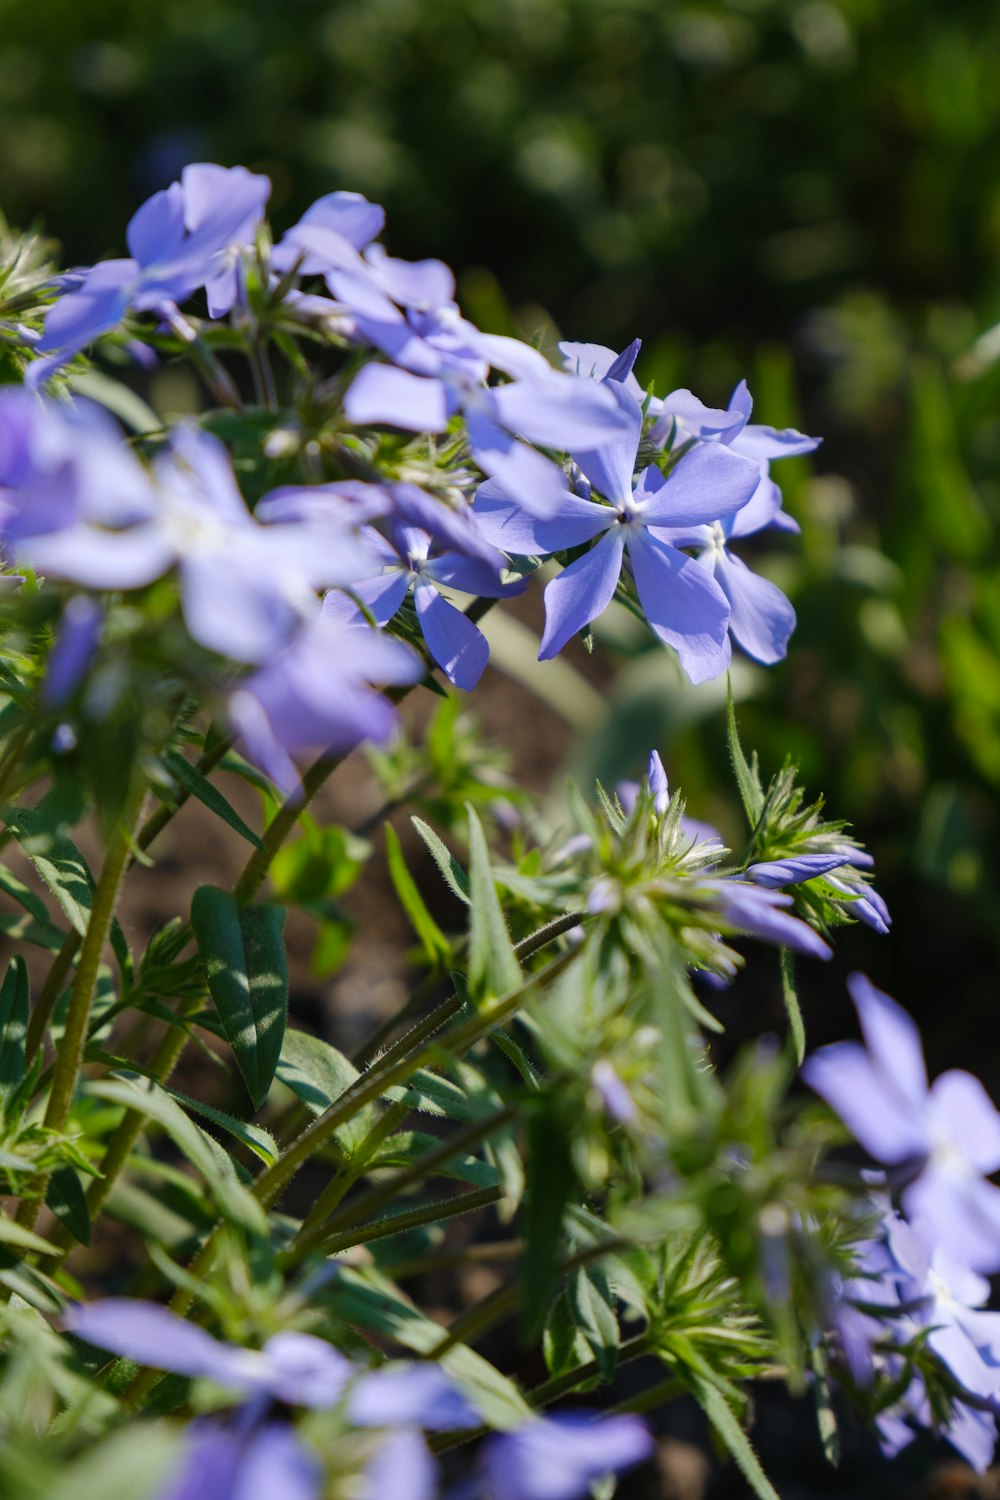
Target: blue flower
<point>684,606</point>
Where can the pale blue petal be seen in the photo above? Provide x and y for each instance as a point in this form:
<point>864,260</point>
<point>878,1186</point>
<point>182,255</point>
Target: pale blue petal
<point>382,394</point>
<point>523,475</point>
<point>158,226</point>
<point>511,528</point>
<point>101,559</point>
<point>401,1469</point>
<point>78,318</point>
<point>683,604</point>
<point>560,411</point>
<point>581,592</point>
<point>708,484</point>
<point>412,283</point>
<point>275,1465</point>
<point>609,466</point>
<point>412,1395</point>
<point>892,1039</point>
<point>303,1370</point>
<point>759,442</point>
<point>880,1117</point>
<point>150,1335</point>
<point>775,873</point>
<point>762,619</point>
<point>596,361</point>
<point>456,644</point>
<point>960,1100</point>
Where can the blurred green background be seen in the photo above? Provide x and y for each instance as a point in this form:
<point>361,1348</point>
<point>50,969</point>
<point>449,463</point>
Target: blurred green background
<point>803,191</point>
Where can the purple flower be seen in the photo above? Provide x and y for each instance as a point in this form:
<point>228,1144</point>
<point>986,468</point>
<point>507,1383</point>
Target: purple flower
<point>684,606</point>
<point>950,1130</point>
<point>255,1456</point>
<point>454,641</point>
<point>760,912</point>
<point>614,1096</point>
<point>557,1458</point>
<point>75,644</point>
<point>318,695</point>
<point>863,901</point>
<point>438,366</point>
<point>245,587</point>
<point>330,234</point>
<point>192,234</point>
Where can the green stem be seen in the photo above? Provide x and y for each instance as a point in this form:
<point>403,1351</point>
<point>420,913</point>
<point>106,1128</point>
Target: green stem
<point>426,1166</point>
<point>505,1300</point>
<point>430,1213</point>
<point>394,1068</point>
<point>151,829</point>
<point>342,1180</point>
<point>70,1052</point>
<point>123,1137</point>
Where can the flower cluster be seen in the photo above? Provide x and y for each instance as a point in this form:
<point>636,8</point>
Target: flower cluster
<point>509,461</point>
<point>919,1280</point>
<point>257,1453</point>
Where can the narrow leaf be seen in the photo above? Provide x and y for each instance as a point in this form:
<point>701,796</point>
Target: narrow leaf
<point>722,1418</point>
<point>244,957</point>
<point>792,1005</point>
<point>318,1074</point>
<point>493,965</point>
<point>57,860</point>
<point>12,1233</point>
<point>592,1302</point>
<point>68,1201</point>
<point>747,779</point>
<point>435,944</point>
<point>190,778</point>
<point>550,1182</point>
<point>14,1005</point>
<point>204,1153</point>
<point>455,877</point>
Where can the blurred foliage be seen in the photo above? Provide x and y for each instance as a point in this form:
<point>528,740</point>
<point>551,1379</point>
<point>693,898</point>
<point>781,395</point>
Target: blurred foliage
<point>803,191</point>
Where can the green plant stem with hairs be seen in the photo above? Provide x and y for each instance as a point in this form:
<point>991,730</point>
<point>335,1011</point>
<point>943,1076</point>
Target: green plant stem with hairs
<point>70,1053</point>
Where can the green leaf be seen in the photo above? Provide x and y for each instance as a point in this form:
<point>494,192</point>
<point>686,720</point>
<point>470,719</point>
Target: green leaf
<point>14,1006</point>
<point>435,944</point>
<point>244,957</point>
<point>57,860</point>
<point>792,1005</point>
<point>592,1302</point>
<point>369,1301</point>
<point>190,778</point>
<point>715,1406</point>
<point>747,776</point>
<point>258,1140</point>
<point>408,1146</point>
<point>493,966</point>
<point>318,1074</point>
<point>550,1182</point>
<point>68,1201</point>
<point>564,1346</point>
<point>125,404</point>
<point>24,896</point>
<point>204,1153</point>
<point>25,1239</point>
<point>455,877</point>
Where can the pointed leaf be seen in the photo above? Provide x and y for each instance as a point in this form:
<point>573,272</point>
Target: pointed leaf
<point>592,1302</point>
<point>318,1074</point>
<point>190,778</point>
<point>715,1406</point>
<point>747,779</point>
<point>792,1005</point>
<point>14,1005</point>
<point>68,1201</point>
<point>57,860</point>
<point>435,944</point>
<point>550,1182</point>
<point>244,957</point>
<point>204,1153</point>
<point>493,966</point>
<point>455,876</point>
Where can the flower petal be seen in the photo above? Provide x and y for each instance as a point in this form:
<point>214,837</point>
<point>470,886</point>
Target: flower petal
<point>382,394</point>
<point>683,604</point>
<point>581,592</point>
<point>762,619</point>
<point>456,644</point>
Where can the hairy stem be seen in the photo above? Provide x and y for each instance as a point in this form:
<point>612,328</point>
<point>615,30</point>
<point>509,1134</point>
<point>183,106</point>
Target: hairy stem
<point>426,1166</point>
<point>74,1038</point>
<point>429,1213</point>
